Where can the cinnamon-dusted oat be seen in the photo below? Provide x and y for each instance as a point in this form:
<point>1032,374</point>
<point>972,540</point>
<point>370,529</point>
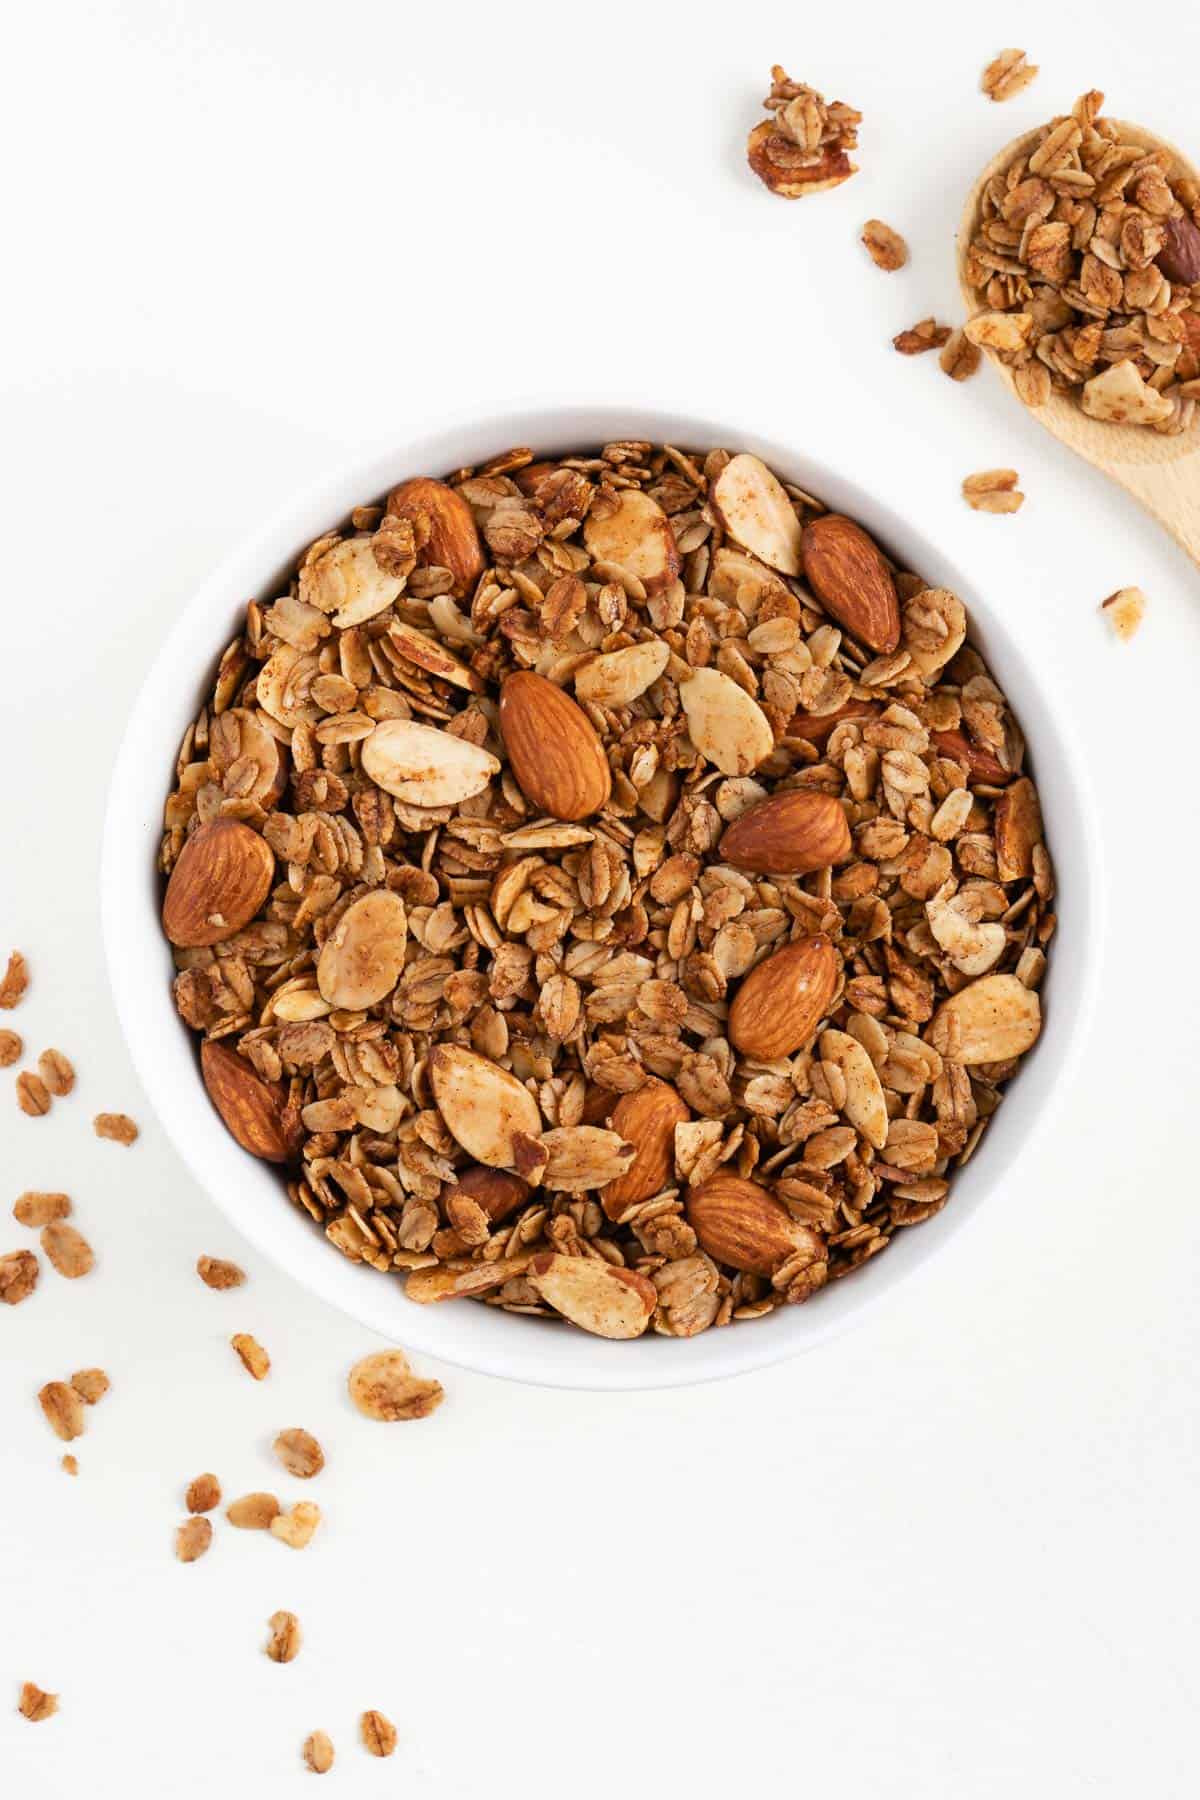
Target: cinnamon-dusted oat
<point>216,1273</point>
<point>927,334</point>
<point>193,1538</point>
<point>68,1250</point>
<point>203,1494</point>
<point>35,1703</point>
<point>1086,263</point>
<point>1125,611</point>
<point>18,1276</point>
<point>886,248</point>
<point>119,1128</point>
<point>254,1358</point>
<point>295,1528</point>
<point>299,1452</point>
<point>63,1409</point>
<point>14,983</point>
<point>11,1046</point>
<point>283,1645</point>
<point>803,148</point>
<point>785,737</point>
<point>1007,74</point>
<point>960,358</point>
<point>70,1464</point>
<point>253,1512</point>
<point>90,1384</point>
<point>993,490</point>
<point>378,1733</point>
<point>318,1752</point>
<point>33,1096</point>
<point>57,1072</point>
<point>35,1210</point>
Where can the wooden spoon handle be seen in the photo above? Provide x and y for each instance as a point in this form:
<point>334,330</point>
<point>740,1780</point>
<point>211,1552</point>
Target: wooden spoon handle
<point>1170,492</point>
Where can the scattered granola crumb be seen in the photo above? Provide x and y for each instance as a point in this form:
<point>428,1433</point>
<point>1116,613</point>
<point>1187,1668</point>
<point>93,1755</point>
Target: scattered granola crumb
<point>15,982</point>
<point>57,1072</point>
<point>300,1453</point>
<point>68,1250</point>
<point>803,148</point>
<point>203,1493</point>
<point>35,1209</point>
<point>927,335</point>
<point>378,1733</point>
<point>254,1358</point>
<point>296,1528</point>
<point>1007,74</point>
<point>994,491</point>
<point>19,1271</point>
<point>33,1096</point>
<point>35,1703</point>
<point>1124,611</point>
<point>118,1127</point>
<point>283,1645</point>
<point>253,1512</point>
<point>887,249</point>
<point>11,1047</point>
<point>90,1384</point>
<point>214,1272</point>
<point>70,1464</point>
<point>383,1386</point>
<point>63,1409</point>
<point>960,358</point>
<point>193,1538</point>
<point>318,1752</point>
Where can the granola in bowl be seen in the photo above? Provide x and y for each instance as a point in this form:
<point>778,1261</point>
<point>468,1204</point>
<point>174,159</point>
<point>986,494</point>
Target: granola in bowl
<point>609,888</point>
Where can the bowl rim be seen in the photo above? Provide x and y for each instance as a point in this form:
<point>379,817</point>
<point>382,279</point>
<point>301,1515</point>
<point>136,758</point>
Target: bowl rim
<point>158,1039</point>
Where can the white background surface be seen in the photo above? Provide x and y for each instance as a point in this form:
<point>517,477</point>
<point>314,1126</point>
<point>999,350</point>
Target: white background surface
<point>951,1554</point>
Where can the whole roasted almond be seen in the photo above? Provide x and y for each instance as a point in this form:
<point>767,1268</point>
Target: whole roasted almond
<point>739,1223</point>
<point>556,756</point>
<point>992,1020</point>
<point>497,1191</point>
<point>791,833</point>
<point>638,537</point>
<point>755,510</point>
<point>847,572</point>
<point>447,536</point>
<point>255,1112</point>
<point>361,959</point>
<point>222,877</point>
<point>1018,825</point>
<point>728,727</point>
<point>646,1118</point>
<point>818,728</point>
<point>621,676</point>
<point>593,1294</point>
<point>1179,258</point>
<point>482,1105</point>
<point>781,1001</point>
<point>424,766</point>
<point>979,762</point>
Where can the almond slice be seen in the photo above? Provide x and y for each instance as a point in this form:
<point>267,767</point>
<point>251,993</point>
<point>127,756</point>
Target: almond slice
<point>482,1105</point>
<point>423,766</point>
<point>347,581</point>
<point>724,723</point>
<point>591,1293</point>
<point>622,676</point>
<point>429,655</point>
<point>990,1021</point>
<point>283,685</point>
<point>361,959</point>
<point>1121,396</point>
<point>638,537</point>
<point>584,1156</point>
<point>757,514</point>
<point>865,1106</point>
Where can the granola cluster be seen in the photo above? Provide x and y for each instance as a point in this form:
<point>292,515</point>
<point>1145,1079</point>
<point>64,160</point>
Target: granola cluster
<point>803,147</point>
<point>446,998</point>
<point>1087,256</point>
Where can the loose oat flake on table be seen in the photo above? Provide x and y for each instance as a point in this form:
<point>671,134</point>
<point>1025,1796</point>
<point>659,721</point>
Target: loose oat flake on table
<point>609,888</point>
<point>1086,264</point>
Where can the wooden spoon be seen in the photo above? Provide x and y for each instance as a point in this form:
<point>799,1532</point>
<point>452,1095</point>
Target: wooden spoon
<point>1163,473</point>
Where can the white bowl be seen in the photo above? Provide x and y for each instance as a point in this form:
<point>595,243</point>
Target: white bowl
<point>251,1193</point>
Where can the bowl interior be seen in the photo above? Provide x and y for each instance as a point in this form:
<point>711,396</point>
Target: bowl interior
<point>251,1193</point>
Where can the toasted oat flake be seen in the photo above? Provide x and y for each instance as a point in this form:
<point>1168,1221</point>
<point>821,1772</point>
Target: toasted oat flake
<point>203,1494</point>
<point>11,1046</point>
<point>926,335</point>
<point>252,1512</point>
<point>283,1645</point>
<point>254,1358</point>
<point>18,1276</point>
<point>216,1273</point>
<point>68,1250</point>
<point>14,983</point>
<point>193,1538</point>
<point>90,1384</point>
<point>119,1127</point>
<point>1007,74</point>
<point>69,1464</point>
<point>63,1409</point>
<point>35,1703</point>
<point>383,1386</point>
<point>886,248</point>
<point>33,1096</point>
<point>318,1752</point>
<point>994,491</point>
<point>299,1452</point>
<point>36,1209</point>
<point>378,1733</point>
<point>296,1528</point>
<point>960,358</point>
<point>56,1071</point>
<point>1124,611</point>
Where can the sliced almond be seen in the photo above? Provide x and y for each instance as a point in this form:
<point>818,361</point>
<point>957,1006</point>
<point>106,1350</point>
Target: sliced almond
<point>865,1106</point>
<point>756,512</point>
<point>584,1156</point>
<point>283,684</point>
<point>610,1302</point>
<point>428,654</point>
<point>1120,395</point>
<point>361,959</point>
<point>429,1286</point>
<point>383,1386</point>
<point>638,537</point>
<point>483,1106</point>
<point>724,723</point>
<point>348,582</point>
<point>973,946</point>
<point>423,766</point>
<point>621,676</point>
<point>990,1021</point>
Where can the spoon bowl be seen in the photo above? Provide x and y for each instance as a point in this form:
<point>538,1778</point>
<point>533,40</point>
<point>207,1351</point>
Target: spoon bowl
<point>1162,473</point>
